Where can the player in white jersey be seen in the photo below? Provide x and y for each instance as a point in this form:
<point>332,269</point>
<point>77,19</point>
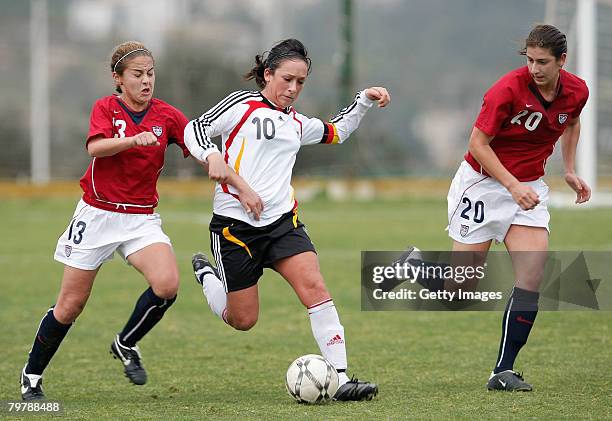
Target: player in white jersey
<point>261,134</point>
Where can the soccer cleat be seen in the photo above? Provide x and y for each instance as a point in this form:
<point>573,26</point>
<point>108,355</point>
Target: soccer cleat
<point>130,357</point>
<point>354,390</point>
<point>31,386</point>
<point>201,266</point>
<point>411,257</point>
<point>508,380</point>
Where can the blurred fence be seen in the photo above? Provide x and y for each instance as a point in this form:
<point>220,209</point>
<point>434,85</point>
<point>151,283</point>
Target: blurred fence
<point>436,57</point>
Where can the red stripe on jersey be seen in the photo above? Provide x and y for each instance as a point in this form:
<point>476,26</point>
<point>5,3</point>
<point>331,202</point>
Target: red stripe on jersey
<point>331,134</point>
<point>301,130</point>
<point>253,105</point>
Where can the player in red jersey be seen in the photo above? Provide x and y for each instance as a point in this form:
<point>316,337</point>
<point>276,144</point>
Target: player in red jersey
<point>498,192</point>
<point>128,136</point>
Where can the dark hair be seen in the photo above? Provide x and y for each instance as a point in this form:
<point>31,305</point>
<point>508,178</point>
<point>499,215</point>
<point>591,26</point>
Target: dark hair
<point>546,36</point>
<point>122,54</point>
<point>289,49</point>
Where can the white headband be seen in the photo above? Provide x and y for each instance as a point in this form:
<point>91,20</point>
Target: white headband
<point>127,54</point>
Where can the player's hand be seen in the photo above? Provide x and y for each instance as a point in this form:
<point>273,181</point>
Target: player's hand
<point>378,94</point>
<point>525,196</point>
<point>217,169</point>
<point>145,139</point>
<point>251,202</point>
<point>583,191</point>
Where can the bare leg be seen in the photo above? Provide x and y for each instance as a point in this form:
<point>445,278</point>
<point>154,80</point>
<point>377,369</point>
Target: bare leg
<point>528,248</point>
<point>242,308</point>
<point>467,255</point>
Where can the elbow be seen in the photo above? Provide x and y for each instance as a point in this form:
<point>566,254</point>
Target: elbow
<point>473,149</point>
<point>479,143</point>
<point>475,146</point>
<point>476,150</point>
<point>93,147</point>
<point>93,153</point>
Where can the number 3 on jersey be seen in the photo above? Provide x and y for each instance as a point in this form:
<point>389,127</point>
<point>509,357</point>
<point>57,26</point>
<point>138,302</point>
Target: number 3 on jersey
<point>120,124</point>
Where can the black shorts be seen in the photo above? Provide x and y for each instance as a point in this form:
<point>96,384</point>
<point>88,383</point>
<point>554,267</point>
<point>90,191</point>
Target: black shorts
<point>242,251</point>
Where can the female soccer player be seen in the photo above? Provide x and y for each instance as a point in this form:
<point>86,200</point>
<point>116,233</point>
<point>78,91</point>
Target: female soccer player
<point>128,136</point>
<point>498,192</point>
<point>261,135</point>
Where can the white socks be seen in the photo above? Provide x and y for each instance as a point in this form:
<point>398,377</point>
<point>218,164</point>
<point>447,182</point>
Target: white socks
<point>329,335</point>
<point>213,290</point>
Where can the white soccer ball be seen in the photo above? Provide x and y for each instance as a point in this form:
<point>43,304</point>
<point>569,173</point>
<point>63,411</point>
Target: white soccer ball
<point>311,379</point>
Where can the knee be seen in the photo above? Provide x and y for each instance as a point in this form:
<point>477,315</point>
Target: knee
<point>313,288</point>
<point>242,322</point>
<point>68,309</point>
<point>165,285</point>
<point>531,282</point>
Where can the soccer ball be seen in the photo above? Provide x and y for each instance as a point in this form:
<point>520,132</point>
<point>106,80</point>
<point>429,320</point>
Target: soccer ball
<point>311,379</point>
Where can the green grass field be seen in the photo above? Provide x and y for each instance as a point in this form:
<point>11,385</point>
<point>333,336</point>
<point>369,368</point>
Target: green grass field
<point>428,365</point>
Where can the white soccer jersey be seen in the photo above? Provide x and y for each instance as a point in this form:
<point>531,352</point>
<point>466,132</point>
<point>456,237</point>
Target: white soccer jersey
<point>260,142</point>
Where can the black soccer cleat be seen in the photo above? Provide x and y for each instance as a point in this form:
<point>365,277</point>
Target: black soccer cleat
<point>509,381</point>
<point>354,390</point>
<point>31,387</point>
<point>130,357</point>
<point>202,266</point>
<point>411,257</point>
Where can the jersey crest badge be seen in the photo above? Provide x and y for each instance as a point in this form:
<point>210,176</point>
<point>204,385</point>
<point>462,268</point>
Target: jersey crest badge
<point>67,250</point>
<point>157,130</point>
<point>562,118</point>
<point>464,230</point>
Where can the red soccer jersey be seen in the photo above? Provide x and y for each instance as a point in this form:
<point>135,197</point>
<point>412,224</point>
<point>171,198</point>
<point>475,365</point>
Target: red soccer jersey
<point>524,125</point>
<point>126,182</point>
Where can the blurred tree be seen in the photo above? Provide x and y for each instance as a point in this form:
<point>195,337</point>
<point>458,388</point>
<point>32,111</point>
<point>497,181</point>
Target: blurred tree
<point>16,149</point>
<point>194,78</point>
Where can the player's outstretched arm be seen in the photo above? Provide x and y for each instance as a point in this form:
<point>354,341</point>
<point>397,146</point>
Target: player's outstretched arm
<point>378,94</point>
<point>340,127</point>
<point>349,118</point>
<point>99,147</point>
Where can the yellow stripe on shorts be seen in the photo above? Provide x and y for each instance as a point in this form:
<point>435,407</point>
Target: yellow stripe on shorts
<point>229,237</point>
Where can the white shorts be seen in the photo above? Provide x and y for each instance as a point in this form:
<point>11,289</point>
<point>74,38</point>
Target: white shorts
<point>93,235</point>
<point>481,209</point>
